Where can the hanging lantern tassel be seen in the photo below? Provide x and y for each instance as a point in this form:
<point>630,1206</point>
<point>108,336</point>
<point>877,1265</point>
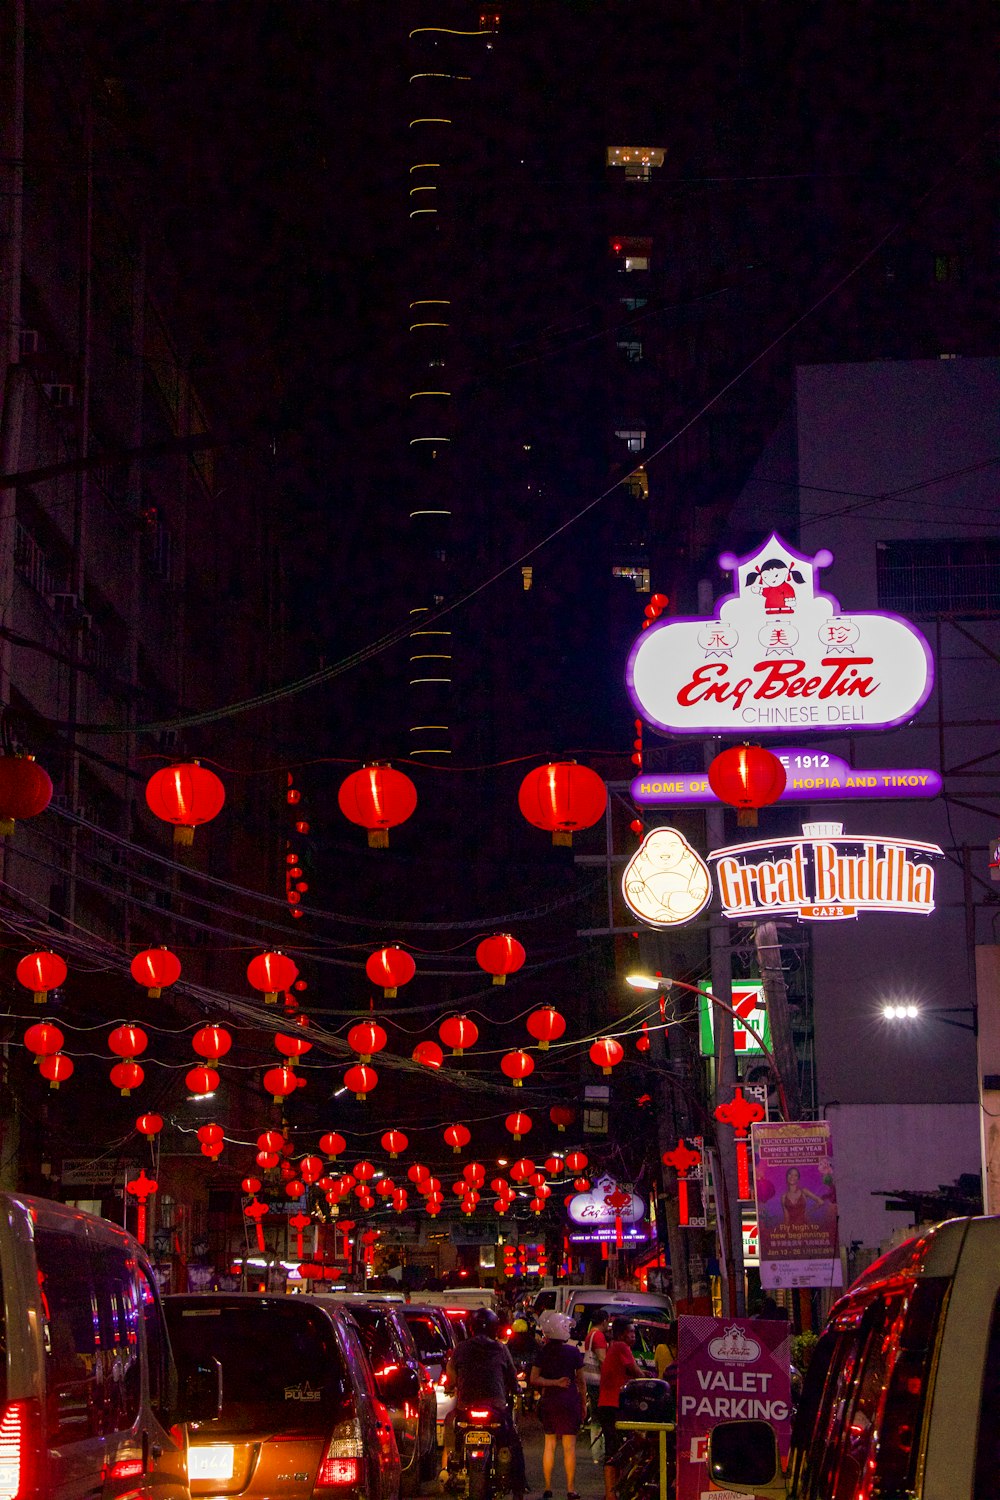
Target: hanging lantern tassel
<point>256,1211</point>
<point>141,1188</point>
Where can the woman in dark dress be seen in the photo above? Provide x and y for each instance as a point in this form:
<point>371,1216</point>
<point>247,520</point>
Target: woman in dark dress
<point>557,1375</point>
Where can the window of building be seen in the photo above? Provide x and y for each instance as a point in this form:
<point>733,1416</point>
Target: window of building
<point>631,351</point>
<point>636,571</point>
<point>636,263</point>
<point>489,20</point>
<point>633,304</point>
<point>947,268</point>
<point>632,252</point>
<point>634,438</point>
<point>637,483</point>
<point>527,578</point>
<point>960,578</point>
<point>638,161</point>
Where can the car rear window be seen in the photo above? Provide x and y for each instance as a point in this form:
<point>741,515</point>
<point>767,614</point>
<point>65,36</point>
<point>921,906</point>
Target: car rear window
<point>428,1337</point>
<point>282,1369</point>
<point>378,1336</point>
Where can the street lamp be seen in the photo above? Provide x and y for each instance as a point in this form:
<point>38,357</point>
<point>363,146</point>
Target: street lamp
<point>945,1013</point>
<point>658,982</point>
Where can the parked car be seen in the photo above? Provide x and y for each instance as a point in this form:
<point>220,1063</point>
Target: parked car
<point>89,1393</point>
<point>301,1416</point>
<point>404,1384</point>
<point>435,1336</point>
<point>902,1393</point>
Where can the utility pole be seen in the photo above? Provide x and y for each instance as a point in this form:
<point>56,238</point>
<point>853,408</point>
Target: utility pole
<point>776,996</point>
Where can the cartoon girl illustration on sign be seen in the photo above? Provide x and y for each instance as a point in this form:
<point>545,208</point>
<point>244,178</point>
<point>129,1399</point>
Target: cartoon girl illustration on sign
<point>773,580</point>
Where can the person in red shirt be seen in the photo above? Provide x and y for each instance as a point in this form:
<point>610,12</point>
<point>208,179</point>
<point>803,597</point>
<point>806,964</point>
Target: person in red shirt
<point>618,1366</point>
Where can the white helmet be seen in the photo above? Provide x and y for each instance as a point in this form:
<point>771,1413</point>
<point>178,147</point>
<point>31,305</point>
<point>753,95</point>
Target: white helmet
<point>555,1325</point>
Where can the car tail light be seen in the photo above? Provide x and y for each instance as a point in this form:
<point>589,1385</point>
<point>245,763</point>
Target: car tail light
<point>342,1463</point>
<point>480,1414</point>
<point>126,1468</point>
<point>426,1378</point>
<point>20,1451</point>
<point>906,1391</point>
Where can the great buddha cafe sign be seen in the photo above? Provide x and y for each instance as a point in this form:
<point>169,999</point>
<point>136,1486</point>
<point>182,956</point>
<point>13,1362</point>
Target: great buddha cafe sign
<point>823,875</point>
<point>779,655</point>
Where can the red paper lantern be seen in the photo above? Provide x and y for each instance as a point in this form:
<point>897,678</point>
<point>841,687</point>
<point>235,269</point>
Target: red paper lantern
<point>394,1141</point>
<point>271,1140</point>
<point>360,1080</point>
<point>294,1188</point>
<point>582,1184</point>
<point>155,968</point>
<point>418,1173</point>
<point>332,1144</point>
<point>545,1025</point>
<point>389,968</point>
<point>474,1173</point>
<point>126,1076</point>
<point>251,1185</point>
<point>428,1054</point>
<point>458,1033</point>
<point>517,1066</point>
<point>385,1188</point>
<point>562,797</point>
<point>211,1042</point>
<point>128,1041</point>
<point>577,1161</point>
<point>44,1039</point>
<point>457,1136</point>
<point>377,798</point>
<point>202,1081</point>
<point>522,1170</point>
<point>542,1190</point>
<point>56,1069</point>
<point>364,1171</point>
<point>747,777</point>
<point>292,1046</point>
<point>311,1169</point>
<point>213,1151</point>
<point>267,1160</point>
<point>41,972</point>
<point>211,1135</point>
<point>500,955</point>
<point>606,1053</point>
<point>554,1165</point>
<point>642,1041</point>
<point>149,1126</point>
<point>271,972</point>
<point>280,1082</point>
<point>186,796</point>
<point>561,1116</point>
<point>518,1124</point>
<point>366,1038</point>
<point>25,790</point>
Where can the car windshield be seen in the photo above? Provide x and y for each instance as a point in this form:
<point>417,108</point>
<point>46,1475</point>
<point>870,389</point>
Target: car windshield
<point>428,1336</point>
<point>282,1368</point>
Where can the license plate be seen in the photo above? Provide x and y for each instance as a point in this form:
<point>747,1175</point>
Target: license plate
<point>211,1463</point>
<point>478,1439</point>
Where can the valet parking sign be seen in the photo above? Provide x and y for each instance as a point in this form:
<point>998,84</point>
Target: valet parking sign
<point>779,655</point>
<point>727,1368</point>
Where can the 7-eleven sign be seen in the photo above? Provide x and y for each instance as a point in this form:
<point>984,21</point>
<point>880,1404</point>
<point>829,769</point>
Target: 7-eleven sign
<point>748,1003</point>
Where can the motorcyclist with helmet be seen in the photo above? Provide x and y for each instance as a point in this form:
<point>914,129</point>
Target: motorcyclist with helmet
<point>483,1373</point>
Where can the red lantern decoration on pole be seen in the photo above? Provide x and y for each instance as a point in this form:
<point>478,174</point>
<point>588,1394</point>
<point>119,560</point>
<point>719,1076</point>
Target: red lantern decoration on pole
<point>155,969</point>
<point>185,795</point>
<point>562,797</point>
<point>377,798</point>
<point>126,1076</point>
<point>518,1124</point>
<point>457,1136</point>
<point>389,968</point>
<point>360,1079</point>
<point>280,1082</point>
<point>606,1053</point>
<point>458,1033</point>
<point>271,972</point>
<point>257,1211</point>
<point>517,1066</point>
<point>747,777</point>
<point>25,790</point>
<point>545,1025</point>
<point>740,1113</point>
<point>428,1054</point>
<point>687,1164</point>
<point>44,1039</point>
<point>211,1042</point>
<point>500,955</point>
<point>141,1188</point>
<point>41,972</point>
<point>394,1141</point>
<point>56,1069</point>
<point>149,1126</point>
<point>366,1038</point>
<point>299,1222</point>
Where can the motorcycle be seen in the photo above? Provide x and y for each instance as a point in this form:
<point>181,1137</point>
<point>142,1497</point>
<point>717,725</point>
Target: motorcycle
<point>483,1464</point>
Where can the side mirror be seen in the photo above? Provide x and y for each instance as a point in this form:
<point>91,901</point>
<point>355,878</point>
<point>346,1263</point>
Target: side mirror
<point>399,1385</point>
<point>744,1456</point>
<point>199,1391</point>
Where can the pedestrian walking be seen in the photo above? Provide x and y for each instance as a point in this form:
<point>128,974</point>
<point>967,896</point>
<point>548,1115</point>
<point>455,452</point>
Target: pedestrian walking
<point>558,1375</point>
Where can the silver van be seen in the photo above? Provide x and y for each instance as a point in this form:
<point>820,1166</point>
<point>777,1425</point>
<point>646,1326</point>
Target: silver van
<point>902,1394</point>
<point>88,1387</point>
